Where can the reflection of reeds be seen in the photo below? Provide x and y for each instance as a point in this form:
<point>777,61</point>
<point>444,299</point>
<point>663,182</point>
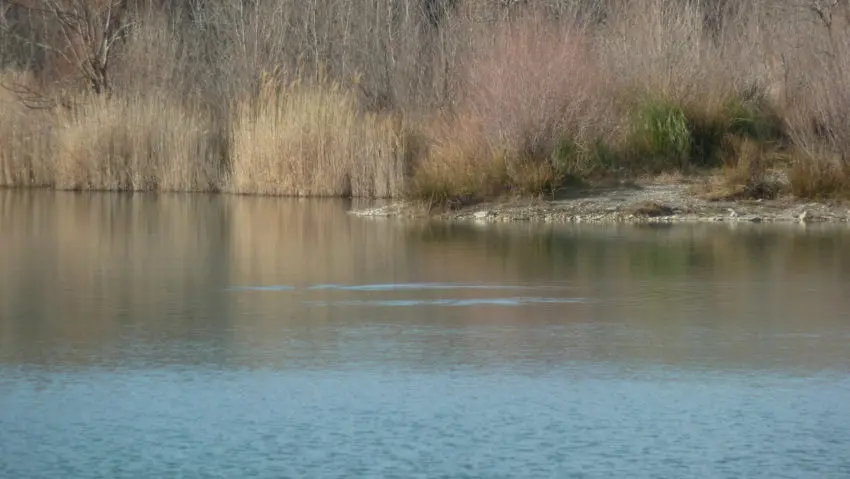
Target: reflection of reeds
<point>308,242</point>
<point>84,269</point>
<point>612,261</point>
<point>87,266</point>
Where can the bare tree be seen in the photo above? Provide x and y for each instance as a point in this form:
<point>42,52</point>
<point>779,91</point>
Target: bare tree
<point>82,34</point>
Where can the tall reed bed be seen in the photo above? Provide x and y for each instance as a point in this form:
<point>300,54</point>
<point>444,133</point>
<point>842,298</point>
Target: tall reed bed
<point>314,141</point>
<point>26,148</point>
<point>447,100</point>
<point>132,144</point>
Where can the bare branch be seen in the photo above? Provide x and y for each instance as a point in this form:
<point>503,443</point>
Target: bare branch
<point>86,34</point>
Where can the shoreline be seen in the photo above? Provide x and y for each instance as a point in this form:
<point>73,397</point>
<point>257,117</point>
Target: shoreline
<point>639,204</point>
<point>645,203</point>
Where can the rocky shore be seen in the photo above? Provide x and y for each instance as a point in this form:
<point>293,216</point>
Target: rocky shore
<point>648,203</point>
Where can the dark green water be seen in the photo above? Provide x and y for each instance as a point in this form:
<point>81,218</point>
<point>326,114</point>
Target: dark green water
<point>211,336</point>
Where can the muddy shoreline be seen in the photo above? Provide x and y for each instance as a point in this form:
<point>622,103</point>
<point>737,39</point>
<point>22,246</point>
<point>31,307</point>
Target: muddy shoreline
<point>646,203</point>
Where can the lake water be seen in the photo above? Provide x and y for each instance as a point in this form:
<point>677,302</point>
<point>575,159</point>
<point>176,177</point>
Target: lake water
<point>203,336</point>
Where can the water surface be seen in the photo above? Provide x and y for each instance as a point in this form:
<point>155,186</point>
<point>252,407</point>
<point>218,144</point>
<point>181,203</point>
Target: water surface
<point>213,336</point>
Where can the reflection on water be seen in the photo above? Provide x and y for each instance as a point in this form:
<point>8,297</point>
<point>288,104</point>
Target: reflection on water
<point>379,287</point>
<point>216,336</point>
<point>447,302</point>
<point>499,301</point>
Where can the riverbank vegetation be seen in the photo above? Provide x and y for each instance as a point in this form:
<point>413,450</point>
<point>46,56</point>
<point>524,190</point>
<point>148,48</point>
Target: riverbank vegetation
<point>449,101</point>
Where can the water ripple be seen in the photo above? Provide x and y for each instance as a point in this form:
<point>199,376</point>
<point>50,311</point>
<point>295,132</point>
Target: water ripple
<point>380,287</point>
<point>411,286</point>
<point>273,287</point>
<point>514,301</point>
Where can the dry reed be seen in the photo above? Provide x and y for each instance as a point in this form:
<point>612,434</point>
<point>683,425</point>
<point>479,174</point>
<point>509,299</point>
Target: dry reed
<point>313,141</point>
<point>134,144</point>
<point>26,146</point>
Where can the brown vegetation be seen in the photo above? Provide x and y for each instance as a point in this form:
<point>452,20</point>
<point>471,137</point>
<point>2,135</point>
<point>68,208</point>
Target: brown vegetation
<point>134,144</point>
<point>446,100</point>
<point>313,141</point>
<point>527,91</point>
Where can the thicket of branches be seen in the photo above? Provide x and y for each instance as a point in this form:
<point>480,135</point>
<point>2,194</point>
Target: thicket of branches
<point>400,53</point>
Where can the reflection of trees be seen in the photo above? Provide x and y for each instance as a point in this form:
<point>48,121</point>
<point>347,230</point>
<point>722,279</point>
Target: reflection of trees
<point>84,273</point>
<point>88,268</point>
<point>740,287</point>
<point>647,252</point>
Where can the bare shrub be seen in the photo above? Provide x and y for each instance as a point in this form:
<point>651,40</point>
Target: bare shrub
<point>529,82</point>
<point>395,52</point>
<point>818,88</point>
<point>80,34</point>
<point>666,48</point>
<point>461,164</point>
<point>706,60</point>
<point>747,173</point>
<point>525,86</point>
<point>154,58</point>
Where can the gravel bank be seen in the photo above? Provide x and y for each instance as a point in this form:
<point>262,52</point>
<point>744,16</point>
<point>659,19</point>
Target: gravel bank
<point>650,203</point>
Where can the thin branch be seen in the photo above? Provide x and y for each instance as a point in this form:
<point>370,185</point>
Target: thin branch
<point>29,41</point>
<point>32,98</point>
<point>119,33</point>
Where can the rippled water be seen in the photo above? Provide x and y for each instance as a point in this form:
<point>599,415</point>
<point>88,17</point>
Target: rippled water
<point>213,336</point>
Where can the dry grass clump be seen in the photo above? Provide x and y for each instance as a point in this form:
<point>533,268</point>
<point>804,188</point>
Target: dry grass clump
<point>527,88</point>
<point>314,141</point>
<point>820,177</point>
<point>747,174</point>
<point>135,144</point>
<point>460,165</point>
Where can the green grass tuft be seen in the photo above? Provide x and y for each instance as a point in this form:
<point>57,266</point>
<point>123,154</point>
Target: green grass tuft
<point>660,137</point>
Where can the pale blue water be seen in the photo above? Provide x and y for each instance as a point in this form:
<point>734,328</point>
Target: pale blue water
<point>206,337</point>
